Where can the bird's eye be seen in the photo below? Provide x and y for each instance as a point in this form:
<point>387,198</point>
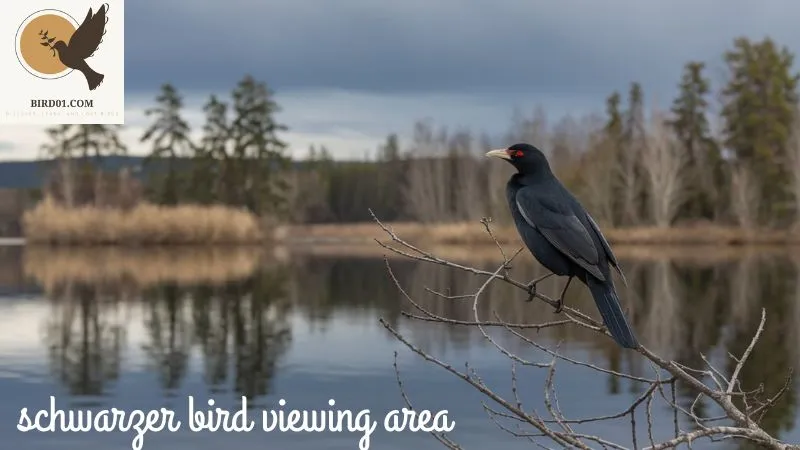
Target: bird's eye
<point>518,153</point>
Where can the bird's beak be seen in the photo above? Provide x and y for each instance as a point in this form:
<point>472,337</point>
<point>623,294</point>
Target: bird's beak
<point>499,153</point>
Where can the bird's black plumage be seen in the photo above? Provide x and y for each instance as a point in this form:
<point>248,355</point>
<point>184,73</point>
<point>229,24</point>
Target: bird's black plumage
<point>562,235</point>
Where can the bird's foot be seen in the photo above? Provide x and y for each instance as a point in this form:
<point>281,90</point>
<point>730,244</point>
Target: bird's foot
<point>531,291</point>
<point>560,301</point>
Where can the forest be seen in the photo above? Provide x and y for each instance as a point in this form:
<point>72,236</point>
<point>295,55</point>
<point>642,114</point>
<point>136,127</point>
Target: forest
<point>725,153</point>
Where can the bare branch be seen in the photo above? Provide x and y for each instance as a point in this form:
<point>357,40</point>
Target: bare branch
<point>735,376</point>
<point>561,430</point>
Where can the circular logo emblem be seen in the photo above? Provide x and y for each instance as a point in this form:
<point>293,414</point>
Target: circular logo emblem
<point>35,39</point>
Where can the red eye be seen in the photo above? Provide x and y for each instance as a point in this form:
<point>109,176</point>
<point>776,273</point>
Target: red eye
<point>518,153</point>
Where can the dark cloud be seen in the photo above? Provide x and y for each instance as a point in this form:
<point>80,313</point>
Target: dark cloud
<point>437,46</point>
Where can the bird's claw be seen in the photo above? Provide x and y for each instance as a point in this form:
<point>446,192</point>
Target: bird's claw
<point>531,291</point>
<point>559,305</point>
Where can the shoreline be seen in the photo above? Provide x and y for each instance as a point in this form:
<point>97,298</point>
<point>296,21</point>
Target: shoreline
<point>446,234</point>
<point>469,233</point>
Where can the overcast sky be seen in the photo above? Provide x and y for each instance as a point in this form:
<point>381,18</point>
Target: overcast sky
<point>347,72</point>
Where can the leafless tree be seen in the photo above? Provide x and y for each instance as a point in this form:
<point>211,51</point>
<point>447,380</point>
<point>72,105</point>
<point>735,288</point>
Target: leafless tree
<point>531,129</point>
<point>466,193</point>
<point>794,162</point>
<point>495,175</point>
<point>744,196</point>
<point>428,188</point>
<point>597,189</point>
<point>629,183</point>
<point>556,428</point>
<point>663,162</point>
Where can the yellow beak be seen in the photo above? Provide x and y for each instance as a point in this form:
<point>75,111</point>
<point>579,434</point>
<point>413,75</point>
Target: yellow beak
<point>499,153</point>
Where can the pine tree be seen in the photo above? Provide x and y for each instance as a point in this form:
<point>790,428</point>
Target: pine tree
<point>211,157</point>
<point>629,155</point>
<point>90,143</point>
<point>758,111</point>
<point>169,135</point>
<point>258,153</point>
<point>690,123</point>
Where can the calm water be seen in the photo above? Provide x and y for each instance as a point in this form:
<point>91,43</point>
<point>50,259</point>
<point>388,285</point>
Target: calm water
<point>144,330</point>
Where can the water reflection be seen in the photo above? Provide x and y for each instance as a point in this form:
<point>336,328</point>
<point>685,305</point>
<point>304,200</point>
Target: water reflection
<point>85,337</point>
<point>226,303</point>
<point>233,310</point>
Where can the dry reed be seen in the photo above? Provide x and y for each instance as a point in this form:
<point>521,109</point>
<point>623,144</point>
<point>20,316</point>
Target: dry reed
<point>145,224</point>
<point>475,234</point>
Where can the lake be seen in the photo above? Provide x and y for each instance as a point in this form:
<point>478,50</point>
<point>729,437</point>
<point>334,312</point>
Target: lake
<point>146,329</point>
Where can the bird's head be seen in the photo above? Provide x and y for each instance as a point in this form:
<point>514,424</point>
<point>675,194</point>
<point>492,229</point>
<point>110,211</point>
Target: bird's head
<point>526,158</point>
<point>60,45</point>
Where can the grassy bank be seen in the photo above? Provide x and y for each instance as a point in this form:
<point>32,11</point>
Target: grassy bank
<point>475,234</point>
<point>145,224</point>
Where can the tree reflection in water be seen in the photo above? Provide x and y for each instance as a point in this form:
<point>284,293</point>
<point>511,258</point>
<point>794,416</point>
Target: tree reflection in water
<point>238,324</point>
<point>85,336</point>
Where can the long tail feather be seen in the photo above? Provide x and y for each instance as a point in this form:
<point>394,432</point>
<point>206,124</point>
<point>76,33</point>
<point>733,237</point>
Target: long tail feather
<point>610,309</point>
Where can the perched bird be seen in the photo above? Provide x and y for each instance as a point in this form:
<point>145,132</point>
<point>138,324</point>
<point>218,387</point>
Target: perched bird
<point>83,44</point>
<point>562,236</point>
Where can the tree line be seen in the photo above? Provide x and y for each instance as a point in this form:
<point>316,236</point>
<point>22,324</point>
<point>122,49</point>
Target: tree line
<point>727,154</point>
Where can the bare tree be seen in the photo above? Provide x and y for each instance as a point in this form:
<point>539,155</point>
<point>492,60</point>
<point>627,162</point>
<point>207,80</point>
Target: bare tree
<point>466,193</point>
<point>663,162</point>
<point>744,196</point>
<point>531,129</point>
<point>510,414</point>
<point>428,185</point>
<point>496,175</point>
<point>794,162</point>
<point>597,189</point>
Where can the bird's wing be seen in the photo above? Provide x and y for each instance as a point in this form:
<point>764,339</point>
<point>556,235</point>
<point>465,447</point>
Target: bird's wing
<point>611,258</point>
<point>89,34</point>
<point>561,227</point>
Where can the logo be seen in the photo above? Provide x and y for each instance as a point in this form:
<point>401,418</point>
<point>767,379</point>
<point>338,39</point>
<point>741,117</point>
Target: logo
<point>67,62</point>
<point>61,45</point>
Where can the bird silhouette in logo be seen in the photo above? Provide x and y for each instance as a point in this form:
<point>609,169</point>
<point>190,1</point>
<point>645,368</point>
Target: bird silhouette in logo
<point>82,45</point>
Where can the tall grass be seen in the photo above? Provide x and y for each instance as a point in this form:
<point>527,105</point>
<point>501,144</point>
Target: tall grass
<point>473,233</point>
<point>145,224</point>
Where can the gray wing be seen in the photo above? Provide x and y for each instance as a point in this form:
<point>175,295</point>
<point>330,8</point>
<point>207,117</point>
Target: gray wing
<point>560,227</point>
<point>611,258</point>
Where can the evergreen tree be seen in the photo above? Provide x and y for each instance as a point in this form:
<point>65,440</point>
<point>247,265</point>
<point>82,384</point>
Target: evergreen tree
<point>633,141</point>
<point>613,127</point>
<point>391,177</point>
<point>90,143</point>
<point>690,124</point>
<point>258,153</point>
<point>211,157</point>
<point>169,135</point>
<point>758,111</point>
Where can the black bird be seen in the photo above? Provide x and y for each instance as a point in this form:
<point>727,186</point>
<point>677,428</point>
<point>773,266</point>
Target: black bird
<point>562,236</point>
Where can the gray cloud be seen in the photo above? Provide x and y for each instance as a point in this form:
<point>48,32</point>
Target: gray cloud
<point>6,146</point>
<point>575,47</point>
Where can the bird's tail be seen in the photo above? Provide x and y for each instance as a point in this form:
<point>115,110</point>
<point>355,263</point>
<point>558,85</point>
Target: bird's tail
<point>92,78</point>
<point>610,309</point>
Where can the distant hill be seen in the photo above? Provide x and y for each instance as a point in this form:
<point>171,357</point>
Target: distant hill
<point>30,174</point>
